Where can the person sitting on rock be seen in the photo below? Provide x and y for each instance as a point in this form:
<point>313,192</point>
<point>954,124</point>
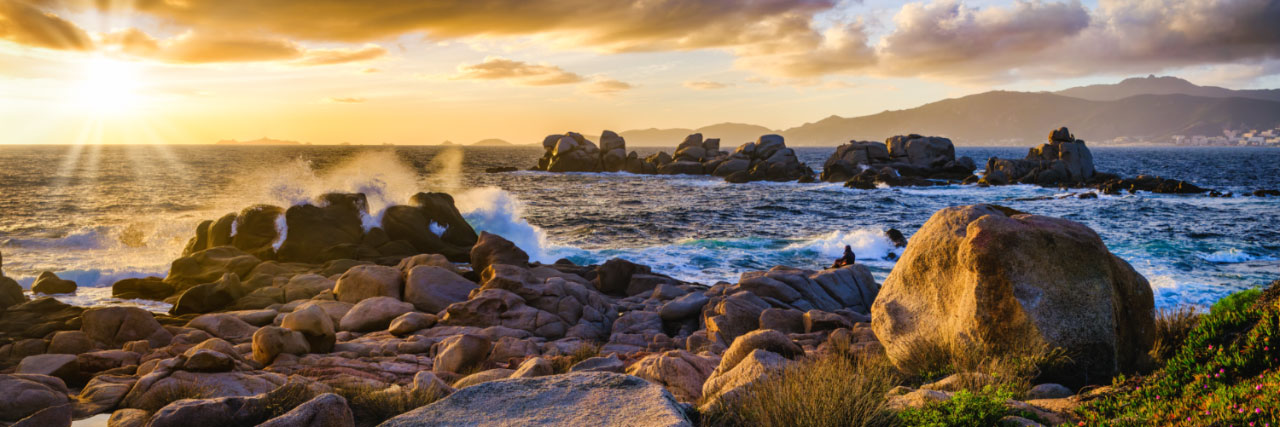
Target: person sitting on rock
<point>848,259</point>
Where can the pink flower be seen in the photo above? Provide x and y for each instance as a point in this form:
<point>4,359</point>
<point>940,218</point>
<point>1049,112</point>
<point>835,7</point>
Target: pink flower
<point>1258,387</point>
<point>1222,371</point>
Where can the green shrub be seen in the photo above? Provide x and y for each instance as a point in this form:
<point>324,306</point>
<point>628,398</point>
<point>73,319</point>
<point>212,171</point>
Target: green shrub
<point>1226,372</point>
<point>964,409</point>
<point>829,391</point>
<point>1236,301</point>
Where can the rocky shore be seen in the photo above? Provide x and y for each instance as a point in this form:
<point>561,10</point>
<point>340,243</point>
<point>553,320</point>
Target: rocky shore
<point>766,159</point>
<point>901,161</point>
<point>420,321</point>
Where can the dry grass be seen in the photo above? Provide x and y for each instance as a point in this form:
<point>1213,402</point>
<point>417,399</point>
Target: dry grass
<point>1172,328</point>
<point>583,352</point>
<point>1011,368</point>
<point>829,391</point>
<point>371,406</point>
<point>284,399</point>
<point>156,400</point>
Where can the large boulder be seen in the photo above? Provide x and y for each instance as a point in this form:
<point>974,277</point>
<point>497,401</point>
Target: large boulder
<point>432,288</point>
<point>493,249</point>
<point>1064,160</point>
<point>929,152</point>
<point>373,314</point>
<point>49,283</point>
<point>582,398</point>
<point>988,278</point>
<point>314,229</point>
<point>256,231</point>
<point>325,410</point>
<point>431,224</point>
<point>681,372</point>
<point>209,297</point>
<point>10,293</point>
<point>38,318</point>
<point>272,341</point>
<point>461,352</point>
<point>314,324</point>
<point>209,265</point>
<point>27,394</point>
<point>368,281</point>
<point>151,288</point>
<point>115,326</point>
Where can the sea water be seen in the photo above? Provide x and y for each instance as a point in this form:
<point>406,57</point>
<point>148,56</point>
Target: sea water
<point>97,214</point>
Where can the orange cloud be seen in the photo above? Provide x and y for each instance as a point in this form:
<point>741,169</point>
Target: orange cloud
<point>347,100</point>
<point>23,24</point>
<point>495,68</point>
<point>342,56</point>
<point>706,85</point>
<point>607,86</point>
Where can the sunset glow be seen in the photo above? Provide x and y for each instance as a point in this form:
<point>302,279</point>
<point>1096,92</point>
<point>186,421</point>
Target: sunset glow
<point>425,72</point>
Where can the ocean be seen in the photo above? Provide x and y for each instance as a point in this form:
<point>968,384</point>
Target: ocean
<point>97,214</point>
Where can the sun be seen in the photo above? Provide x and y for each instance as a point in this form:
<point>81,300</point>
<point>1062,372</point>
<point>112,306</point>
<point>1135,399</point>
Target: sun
<point>108,87</point>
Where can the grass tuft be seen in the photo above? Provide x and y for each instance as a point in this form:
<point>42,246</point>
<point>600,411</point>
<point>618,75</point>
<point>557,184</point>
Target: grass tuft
<point>582,352</point>
<point>829,391</point>
<point>1172,328</point>
<point>371,406</point>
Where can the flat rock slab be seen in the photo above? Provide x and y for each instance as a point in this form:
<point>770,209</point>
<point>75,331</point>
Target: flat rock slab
<point>574,399</point>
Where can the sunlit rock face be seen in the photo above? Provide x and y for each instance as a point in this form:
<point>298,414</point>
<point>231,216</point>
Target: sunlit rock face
<point>990,279</point>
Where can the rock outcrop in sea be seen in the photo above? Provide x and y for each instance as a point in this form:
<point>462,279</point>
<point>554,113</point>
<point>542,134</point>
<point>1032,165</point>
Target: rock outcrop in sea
<point>903,160</point>
<point>766,159</point>
<point>314,324</point>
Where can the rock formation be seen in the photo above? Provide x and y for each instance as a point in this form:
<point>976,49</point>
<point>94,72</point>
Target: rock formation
<point>987,278</point>
<point>900,161</point>
<point>771,161</point>
<point>1064,160</point>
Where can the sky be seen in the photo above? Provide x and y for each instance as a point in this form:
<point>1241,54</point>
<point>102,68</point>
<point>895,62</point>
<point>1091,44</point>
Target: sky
<point>422,72</point>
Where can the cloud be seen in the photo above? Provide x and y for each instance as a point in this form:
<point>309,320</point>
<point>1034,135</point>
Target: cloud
<point>497,68</point>
<point>342,56</point>
<point>23,24</point>
<point>347,100</point>
<point>948,38</point>
<point>606,86</point>
<point>200,48</point>
<point>706,85</point>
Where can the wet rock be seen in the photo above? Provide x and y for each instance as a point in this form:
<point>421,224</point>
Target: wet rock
<point>11,293</point>
<point>1095,304</point>
<point>150,288</point>
<point>314,230</point>
<point>48,283</point>
<point>209,265</point>
<point>594,398</point>
<point>493,249</point>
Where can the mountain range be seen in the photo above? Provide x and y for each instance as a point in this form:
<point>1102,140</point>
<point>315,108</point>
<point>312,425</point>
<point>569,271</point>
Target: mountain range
<point>1152,109</point>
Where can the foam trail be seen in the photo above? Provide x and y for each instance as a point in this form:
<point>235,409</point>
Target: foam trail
<point>497,211</point>
<point>1232,256</point>
<point>866,244</point>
